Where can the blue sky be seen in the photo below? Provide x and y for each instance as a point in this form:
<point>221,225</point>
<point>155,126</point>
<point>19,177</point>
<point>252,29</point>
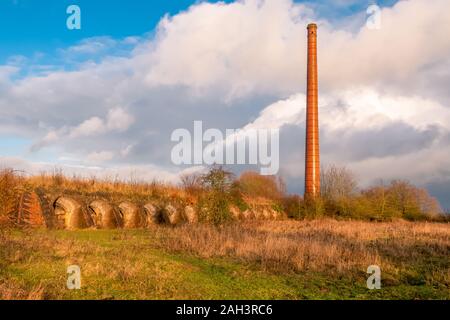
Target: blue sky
<point>29,26</point>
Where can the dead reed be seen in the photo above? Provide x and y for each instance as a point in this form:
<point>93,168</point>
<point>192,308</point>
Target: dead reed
<point>323,245</point>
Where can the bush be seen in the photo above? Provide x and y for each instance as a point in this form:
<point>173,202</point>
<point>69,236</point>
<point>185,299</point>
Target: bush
<point>236,197</point>
<point>297,208</point>
<point>214,209</point>
<point>252,184</point>
<point>215,202</point>
<point>292,206</point>
<point>313,208</point>
<point>401,199</point>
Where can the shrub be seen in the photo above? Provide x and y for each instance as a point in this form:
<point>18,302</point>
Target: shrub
<point>253,184</point>
<point>297,208</point>
<point>401,199</point>
<point>237,198</point>
<point>215,202</point>
<point>292,206</point>
<point>313,208</point>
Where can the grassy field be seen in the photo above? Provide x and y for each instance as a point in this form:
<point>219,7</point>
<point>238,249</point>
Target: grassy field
<point>319,259</point>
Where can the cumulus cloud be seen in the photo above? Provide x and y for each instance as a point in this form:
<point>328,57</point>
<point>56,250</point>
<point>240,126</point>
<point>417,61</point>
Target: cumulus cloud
<point>116,120</point>
<point>259,46</point>
<point>91,126</point>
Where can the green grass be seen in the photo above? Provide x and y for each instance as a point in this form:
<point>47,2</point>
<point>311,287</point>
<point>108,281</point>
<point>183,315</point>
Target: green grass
<point>121,264</point>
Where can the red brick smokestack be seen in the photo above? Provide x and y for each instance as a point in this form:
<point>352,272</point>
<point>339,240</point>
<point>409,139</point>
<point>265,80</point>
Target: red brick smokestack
<point>312,152</point>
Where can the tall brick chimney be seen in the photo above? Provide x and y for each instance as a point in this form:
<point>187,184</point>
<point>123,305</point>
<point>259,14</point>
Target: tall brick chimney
<point>312,150</point>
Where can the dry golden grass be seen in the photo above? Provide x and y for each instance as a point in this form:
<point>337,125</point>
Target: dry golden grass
<point>107,186</point>
<point>323,245</point>
<point>10,186</point>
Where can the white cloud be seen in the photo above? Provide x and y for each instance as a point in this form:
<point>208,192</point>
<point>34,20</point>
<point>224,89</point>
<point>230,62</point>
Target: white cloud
<point>118,120</point>
<point>280,113</point>
<point>91,45</point>
<point>356,109</point>
<point>101,156</point>
<point>89,127</point>
<point>259,46</point>
<point>368,108</point>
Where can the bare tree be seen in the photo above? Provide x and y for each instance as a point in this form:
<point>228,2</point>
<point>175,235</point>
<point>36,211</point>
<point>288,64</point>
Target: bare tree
<point>337,183</point>
<point>191,182</point>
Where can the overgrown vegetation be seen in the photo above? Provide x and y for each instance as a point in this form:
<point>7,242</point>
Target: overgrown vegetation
<point>309,259</point>
<point>10,187</point>
<point>217,192</point>
<point>214,202</point>
<point>255,185</point>
<point>341,198</point>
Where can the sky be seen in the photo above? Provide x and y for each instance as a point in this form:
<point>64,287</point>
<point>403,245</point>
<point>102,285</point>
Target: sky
<point>104,100</point>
